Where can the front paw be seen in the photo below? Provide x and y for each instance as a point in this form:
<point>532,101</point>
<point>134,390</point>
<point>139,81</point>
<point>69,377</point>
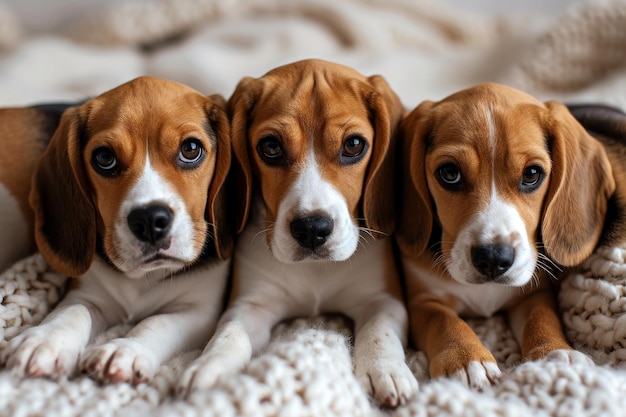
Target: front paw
<point>43,351</point>
<point>474,366</point>
<point>568,356</point>
<point>205,372</point>
<point>390,383</point>
<point>119,360</point>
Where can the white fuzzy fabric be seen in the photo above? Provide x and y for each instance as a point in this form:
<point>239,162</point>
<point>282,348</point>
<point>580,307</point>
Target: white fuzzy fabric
<point>426,51</point>
<point>594,306</point>
<point>307,369</point>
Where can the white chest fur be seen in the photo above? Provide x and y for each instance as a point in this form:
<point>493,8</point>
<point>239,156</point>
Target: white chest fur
<point>479,300</point>
<point>311,287</point>
<point>123,299</point>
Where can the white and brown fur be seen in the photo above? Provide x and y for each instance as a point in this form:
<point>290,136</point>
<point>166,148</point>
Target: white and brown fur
<point>321,212</point>
<point>500,189</point>
<point>128,198</point>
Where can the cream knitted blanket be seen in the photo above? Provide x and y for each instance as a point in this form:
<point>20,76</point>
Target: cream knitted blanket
<point>307,369</point>
<point>426,51</point>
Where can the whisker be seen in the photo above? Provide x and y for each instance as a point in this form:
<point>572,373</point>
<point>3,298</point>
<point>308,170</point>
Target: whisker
<point>440,257</point>
<point>549,262</point>
<point>368,232</point>
<point>208,230</point>
<point>372,231</point>
<point>366,237</point>
<point>532,282</point>
<point>546,268</point>
<point>172,277</point>
<point>364,228</point>
<point>263,232</point>
<point>440,262</point>
<point>360,244</point>
<point>146,280</point>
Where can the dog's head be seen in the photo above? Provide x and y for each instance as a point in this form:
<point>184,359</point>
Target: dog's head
<point>501,175</point>
<point>315,139</point>
<point>136,174</point>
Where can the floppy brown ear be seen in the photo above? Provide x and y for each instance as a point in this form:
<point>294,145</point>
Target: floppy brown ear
<point>415,223</point>
<point>239,107</point>
<point>379,209</point>
<point>65,219</point>
<point>218,214</point>
<point>581,184</point>
<point>218,100</point>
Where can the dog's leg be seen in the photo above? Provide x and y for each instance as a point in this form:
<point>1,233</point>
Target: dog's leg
<point>52,348</point>
<point>243,329</point>
<point>536,325</point>
<point>379,358</point>
<point>185,321</point>
<point>135,357</point>
<point>451,346</point>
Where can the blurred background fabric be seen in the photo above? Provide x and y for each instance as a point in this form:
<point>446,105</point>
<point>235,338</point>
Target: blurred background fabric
<point>563,49</point>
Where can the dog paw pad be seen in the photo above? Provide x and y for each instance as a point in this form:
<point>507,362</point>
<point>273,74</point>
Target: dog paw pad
<point>120,360</point>
<point>390,384</point>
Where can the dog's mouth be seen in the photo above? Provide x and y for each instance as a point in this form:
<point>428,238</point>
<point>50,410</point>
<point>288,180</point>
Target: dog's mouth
<point>485,279</point>
<point>308,254</point>
<point>155,258</point>
<point>159,258</point>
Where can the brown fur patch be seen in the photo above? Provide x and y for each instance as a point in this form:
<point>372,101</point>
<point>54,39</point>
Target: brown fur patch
<point>24,134</point>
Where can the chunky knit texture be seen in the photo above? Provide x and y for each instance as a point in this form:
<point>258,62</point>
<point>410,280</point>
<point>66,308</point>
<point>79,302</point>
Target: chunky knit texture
<point>307,369</point>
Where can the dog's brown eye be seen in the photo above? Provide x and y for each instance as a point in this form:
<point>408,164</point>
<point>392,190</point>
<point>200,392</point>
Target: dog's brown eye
<point>190,151</point>
<point>532,177</point>
<point>449,176</point>
<point>353,149</point>
<point>270,150</point>
<point>353,146</point>
<point>104,161</point>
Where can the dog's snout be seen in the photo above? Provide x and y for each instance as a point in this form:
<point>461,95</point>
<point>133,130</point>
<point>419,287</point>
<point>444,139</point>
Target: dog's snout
<point>150,224</point>
<point>311,231</point>
<point>493,260</point>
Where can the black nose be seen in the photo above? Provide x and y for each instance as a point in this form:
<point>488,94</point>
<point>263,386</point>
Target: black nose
<point>493,260</point>
<point>311,232</point>
<point>150,224</point>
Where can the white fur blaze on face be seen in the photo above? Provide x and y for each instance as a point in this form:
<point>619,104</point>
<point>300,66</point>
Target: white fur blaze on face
<point>499,223</point>
<point>152,188</point>
<point>311,195</point>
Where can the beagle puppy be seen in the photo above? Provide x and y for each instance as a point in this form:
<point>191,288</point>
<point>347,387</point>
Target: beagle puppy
<point>499,190</point>
<point>128,198</point>
<point>24,135</point>
<point>313,144</point>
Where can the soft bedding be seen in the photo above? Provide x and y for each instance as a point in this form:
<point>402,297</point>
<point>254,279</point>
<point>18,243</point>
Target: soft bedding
<point>425,50</point>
